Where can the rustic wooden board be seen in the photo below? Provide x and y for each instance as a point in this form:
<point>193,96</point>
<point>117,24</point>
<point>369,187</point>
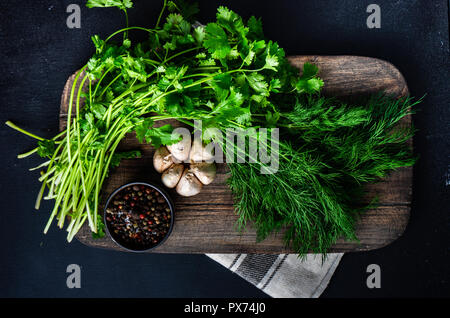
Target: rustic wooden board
<point>206,223</point>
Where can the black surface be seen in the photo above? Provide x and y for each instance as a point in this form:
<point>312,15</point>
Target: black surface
<point>38,53</point>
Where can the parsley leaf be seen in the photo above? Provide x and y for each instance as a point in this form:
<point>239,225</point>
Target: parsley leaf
<point>118,156</point>
<point>142,129</point>
<point>98,43</point>
<point>46,148</point>
<point>275,84</point>
<point>231,21</point>
<point>121,4</point>
<point>98,110</point>
<point>162,136</point>
<point>199,34</point>
<point>309,70</point>
<point>216,41</point>
<point>257,82</point>
<point>255,28</point>
<point>271,63</point>
<point>157,136</point>
<point>308,83</point>
<point>100,228</point>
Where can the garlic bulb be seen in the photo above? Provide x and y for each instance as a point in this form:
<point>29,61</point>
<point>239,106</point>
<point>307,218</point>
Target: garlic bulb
<point>171,176</point>
<point>162,159</point>
<point>199,153</point>
<point>204,171</point>
<point>180,151</point>
<point>189,185</point>
<point>187,178</point>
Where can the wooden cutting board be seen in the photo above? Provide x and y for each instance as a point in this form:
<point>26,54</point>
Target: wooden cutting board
<point>206,222</point>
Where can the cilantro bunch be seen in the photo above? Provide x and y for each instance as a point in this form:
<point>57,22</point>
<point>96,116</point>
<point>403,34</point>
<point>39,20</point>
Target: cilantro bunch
<point>228,75</point>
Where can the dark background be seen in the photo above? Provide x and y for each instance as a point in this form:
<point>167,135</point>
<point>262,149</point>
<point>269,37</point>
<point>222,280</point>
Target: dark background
<point>38,52</point>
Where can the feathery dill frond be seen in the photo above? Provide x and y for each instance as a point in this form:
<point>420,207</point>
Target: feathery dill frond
<point>316,194</point>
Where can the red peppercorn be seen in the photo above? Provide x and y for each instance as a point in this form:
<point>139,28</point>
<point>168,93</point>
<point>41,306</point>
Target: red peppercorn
<point>141,216</point>
<point>132,203</point>
<point>150,222</point>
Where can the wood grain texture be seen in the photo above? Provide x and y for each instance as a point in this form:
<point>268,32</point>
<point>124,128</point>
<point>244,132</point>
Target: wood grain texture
<point>206,223</point>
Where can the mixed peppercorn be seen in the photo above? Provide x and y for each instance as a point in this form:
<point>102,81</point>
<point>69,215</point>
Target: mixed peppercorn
<point>138,217</point>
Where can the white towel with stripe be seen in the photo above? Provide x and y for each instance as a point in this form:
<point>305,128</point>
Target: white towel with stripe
<point>283,275</point>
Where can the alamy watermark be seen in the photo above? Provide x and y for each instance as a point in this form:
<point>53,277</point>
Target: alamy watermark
<point>374,279</point>
<point>74,279</point>
<point>374,19</point>
<point>73,21</point>
<point>236,145</point>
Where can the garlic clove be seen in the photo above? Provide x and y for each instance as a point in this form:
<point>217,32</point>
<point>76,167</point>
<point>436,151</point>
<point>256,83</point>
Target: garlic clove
<point>204,171</point>
<point>162,159</point>
<point>181,149</point>
<point>171,176</point>
<point>199,153</point>
<point>188,185</point>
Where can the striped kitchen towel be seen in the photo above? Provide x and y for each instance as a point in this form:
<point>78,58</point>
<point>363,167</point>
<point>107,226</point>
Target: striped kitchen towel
<point>284,275</point>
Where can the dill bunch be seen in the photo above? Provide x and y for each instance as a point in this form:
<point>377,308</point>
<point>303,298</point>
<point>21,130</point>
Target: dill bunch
<point>328,151</point>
